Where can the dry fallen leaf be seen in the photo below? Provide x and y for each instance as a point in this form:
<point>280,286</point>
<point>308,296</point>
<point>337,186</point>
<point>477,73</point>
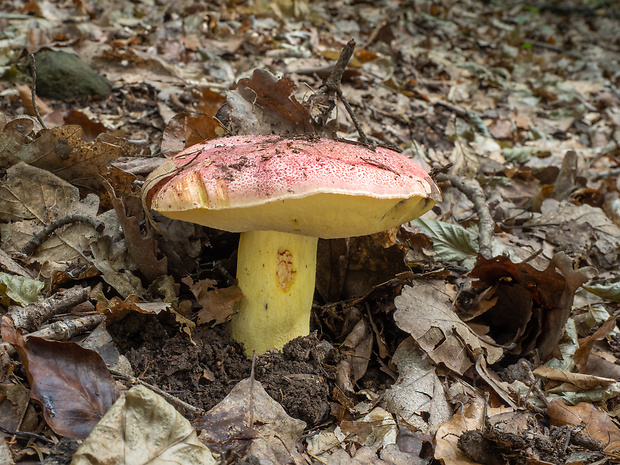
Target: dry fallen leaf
<point>142,428</point>
<point>217,304</point>
<point>425,311</point>
<point>448,433</point>
<point>418,395</point>
<point>30,200</point>
<point>597,423</point>
<point>252,423</point>
<point>586,344</point>
<point>186,129</point>
<point>533,306</point>
<point>15,401</point>
<point>143,249</point>
<point>577,380</point>
<point>264,104</point>
<point>72,384</point>
<point>356,352</point>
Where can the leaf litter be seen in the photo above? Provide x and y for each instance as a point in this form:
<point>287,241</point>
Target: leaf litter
<point>466,338</point>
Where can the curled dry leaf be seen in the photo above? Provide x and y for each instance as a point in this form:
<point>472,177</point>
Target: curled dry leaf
<point>265,105</point>
<point>116,309</point>
<point>142,248</point>
<point>572,381</point>
<point>142,428</point>
<point>587,343</point>
<point>217,304</point>
<point>356,353</point>
<point>71,383</point>
<point>425,311</point>
<point>540,300</point>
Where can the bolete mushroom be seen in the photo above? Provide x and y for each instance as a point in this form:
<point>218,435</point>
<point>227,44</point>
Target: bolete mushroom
<point>282,194</point>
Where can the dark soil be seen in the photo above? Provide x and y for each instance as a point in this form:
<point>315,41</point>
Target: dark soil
<point>203,370</point>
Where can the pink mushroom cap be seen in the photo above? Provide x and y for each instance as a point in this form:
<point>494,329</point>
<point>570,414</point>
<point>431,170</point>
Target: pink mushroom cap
<point>310,186</point>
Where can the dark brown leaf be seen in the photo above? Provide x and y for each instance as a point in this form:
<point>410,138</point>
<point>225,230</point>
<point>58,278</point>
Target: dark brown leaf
<point>549,300</point>
<point>142,249</point>
<point>281,111</point>
<point>71,383</point>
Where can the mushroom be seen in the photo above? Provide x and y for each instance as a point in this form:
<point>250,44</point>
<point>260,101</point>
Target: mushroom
<point>282,194</point>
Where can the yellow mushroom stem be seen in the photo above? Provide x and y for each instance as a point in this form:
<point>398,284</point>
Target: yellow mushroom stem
<point>276,273</point>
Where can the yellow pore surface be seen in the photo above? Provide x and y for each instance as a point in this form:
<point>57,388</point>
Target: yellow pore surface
<point>321,215</point>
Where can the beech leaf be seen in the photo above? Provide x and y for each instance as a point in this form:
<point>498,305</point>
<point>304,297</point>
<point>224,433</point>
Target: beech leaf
<point>72,384</point>
<point>142,428</point>
<point>425,311</point>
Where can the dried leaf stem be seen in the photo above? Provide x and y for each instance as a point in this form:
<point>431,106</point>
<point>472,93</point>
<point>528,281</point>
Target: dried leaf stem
<point>169,397</point>
<point>33,90</point>
<point>26,435</point>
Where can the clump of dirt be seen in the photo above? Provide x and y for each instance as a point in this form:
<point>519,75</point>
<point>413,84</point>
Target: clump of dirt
<point>203,369</point>
<point>295,377</point>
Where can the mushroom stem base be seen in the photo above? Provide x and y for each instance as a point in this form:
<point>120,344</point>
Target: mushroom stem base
<point>276,273</point>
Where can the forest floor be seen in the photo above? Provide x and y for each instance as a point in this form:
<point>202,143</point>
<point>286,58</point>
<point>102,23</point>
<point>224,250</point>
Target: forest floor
<point>483,332</point>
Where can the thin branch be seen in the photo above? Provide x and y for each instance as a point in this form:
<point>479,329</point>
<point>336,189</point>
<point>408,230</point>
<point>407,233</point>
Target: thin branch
<point>34,315</point>
<point>333,85</point>
<point>169,397</point>
<point>26,435</point>
<point>358,126</point>
<point>61,330</point>
<point>486,225</point>
<point>335,78</point>
<point>40,237</point>
<point>331,88</point>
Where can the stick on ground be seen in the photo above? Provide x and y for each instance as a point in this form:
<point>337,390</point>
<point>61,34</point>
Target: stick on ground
<point>32,316</point>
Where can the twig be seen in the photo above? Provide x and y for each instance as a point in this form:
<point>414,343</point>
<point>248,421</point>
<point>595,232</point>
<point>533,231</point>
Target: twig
<point>335,78</point>
<point>331,88</point>
<point>26,435</point>
<point>458,110</point>
<point>486,225</point>
<point>33,91</point>
<point>333,85</point>
<point>34,315</point>
<point>62,330</point>
<point>40,237</point>
<point>555,48</point>
<point>358,126</point>
<point>169,397</point>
